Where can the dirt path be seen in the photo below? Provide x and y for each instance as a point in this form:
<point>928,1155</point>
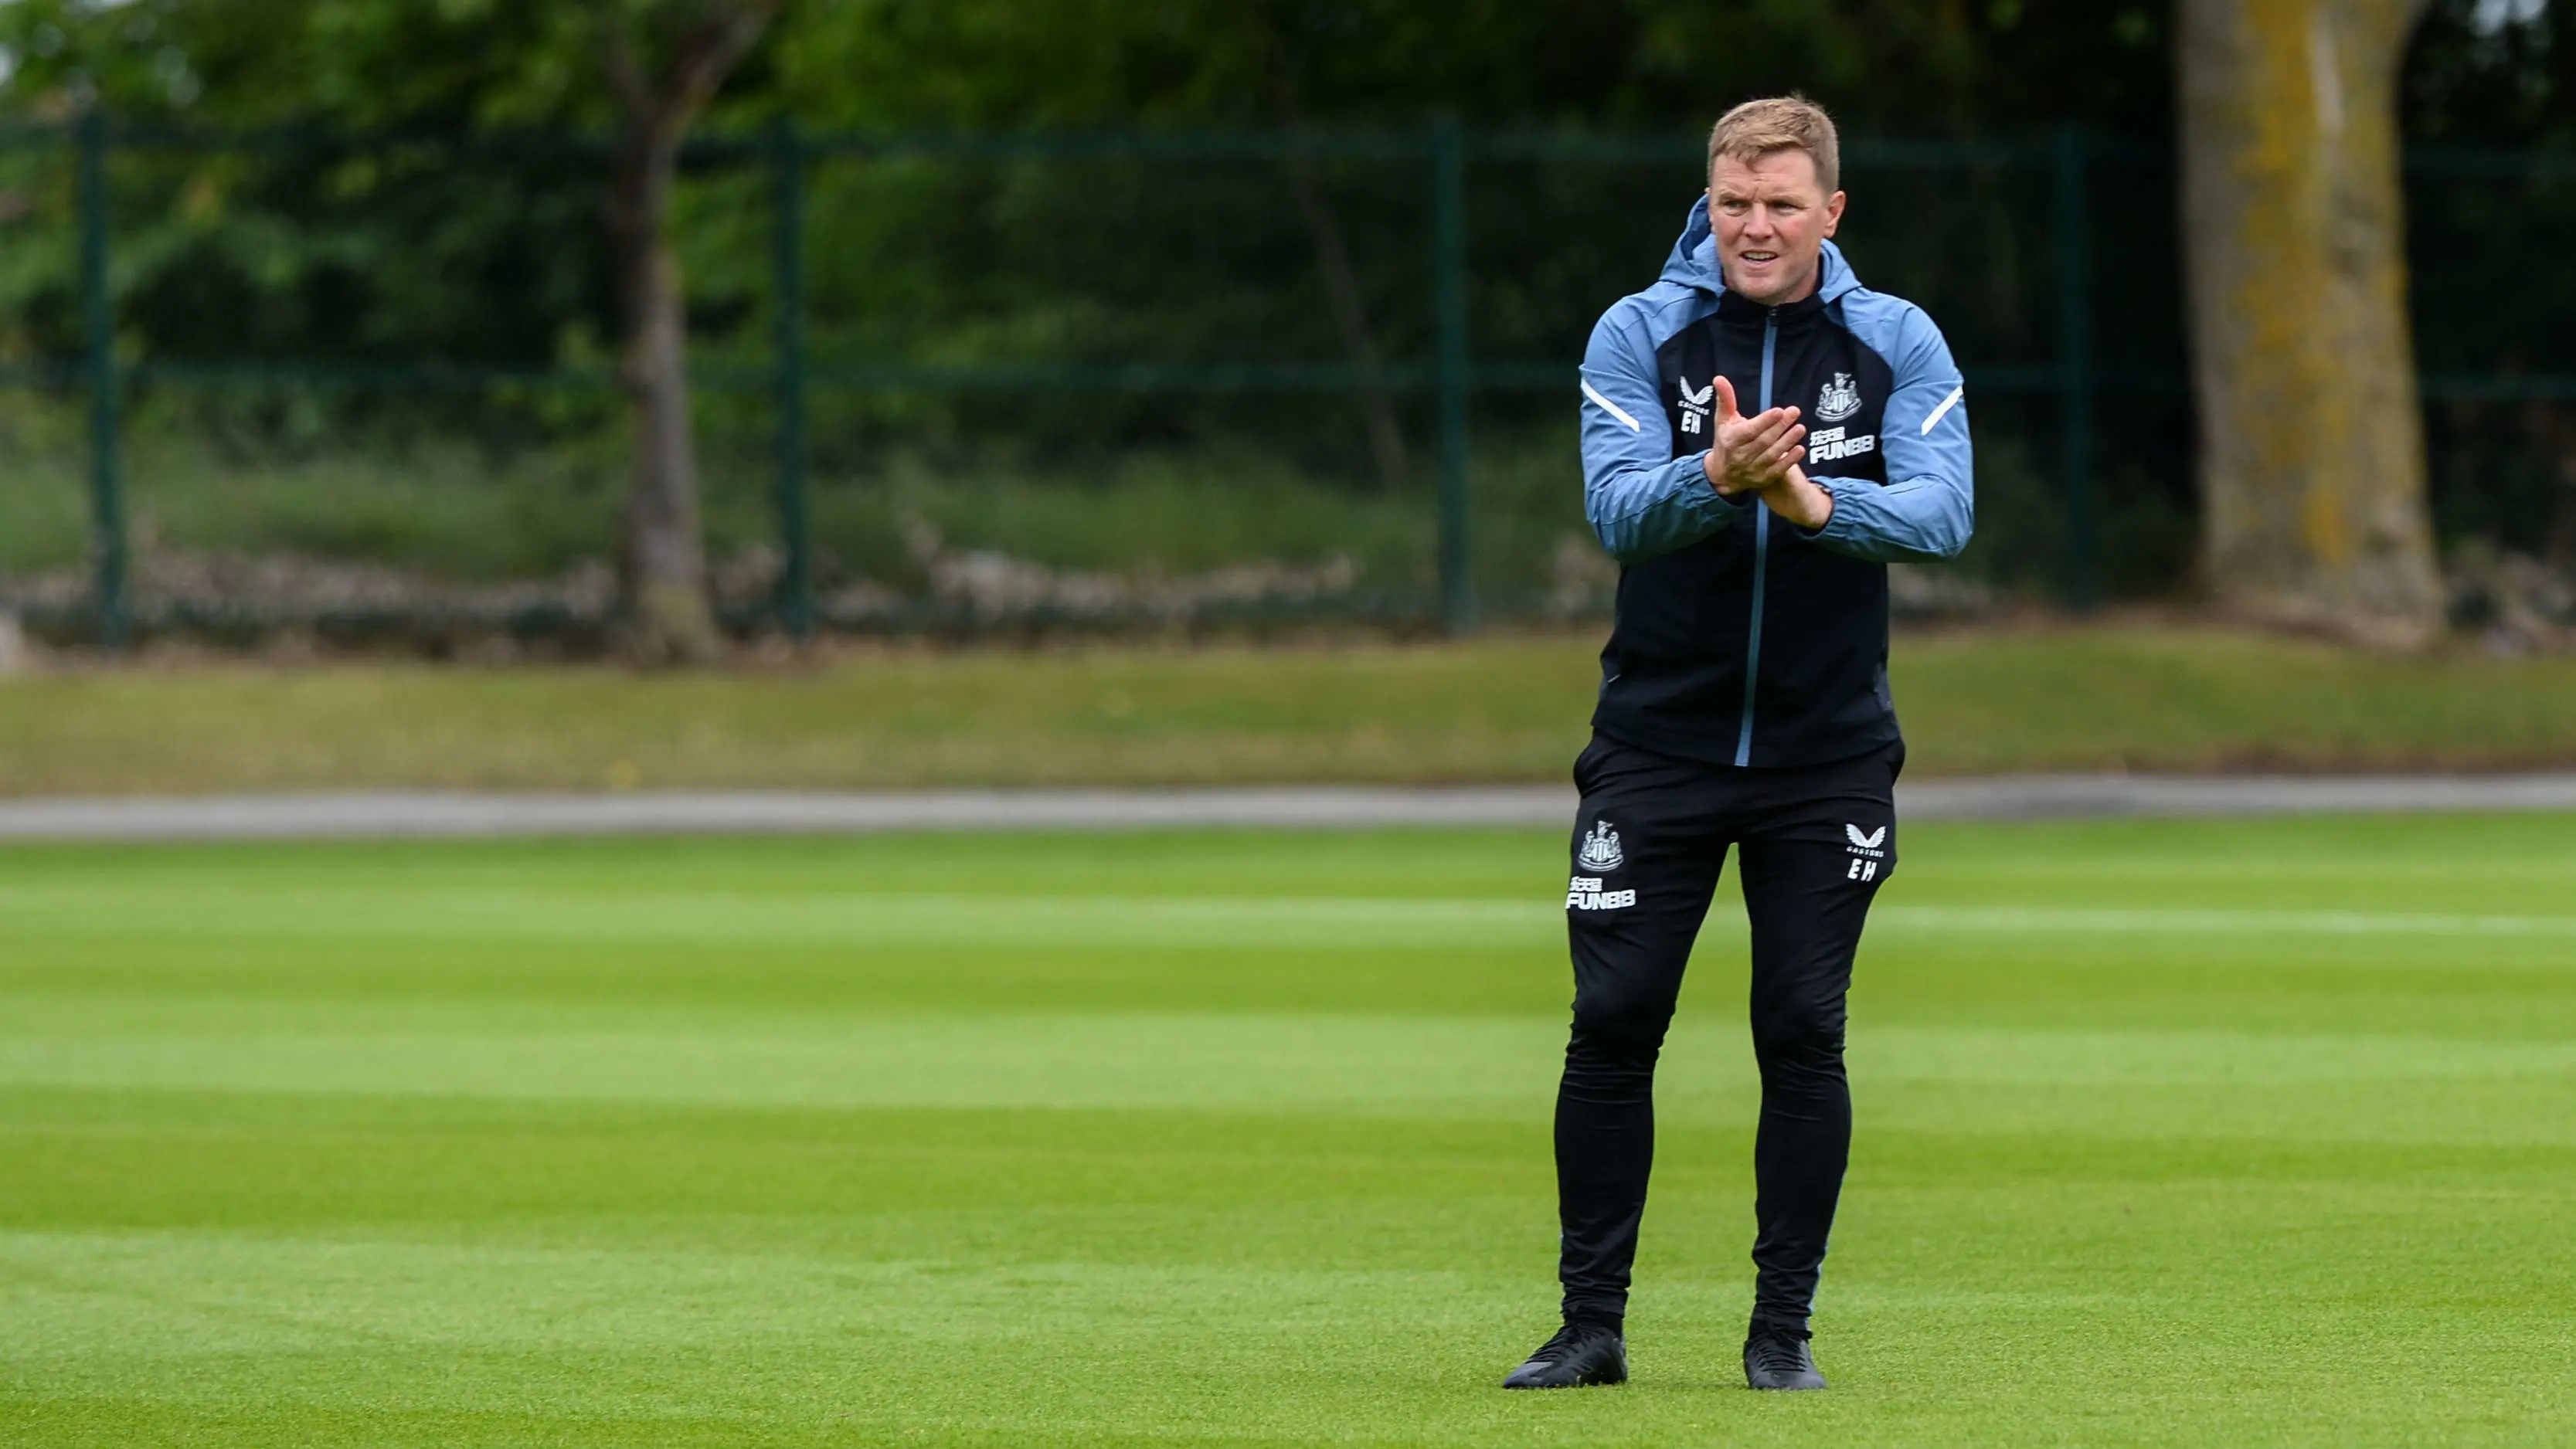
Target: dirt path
<point>414,815</point>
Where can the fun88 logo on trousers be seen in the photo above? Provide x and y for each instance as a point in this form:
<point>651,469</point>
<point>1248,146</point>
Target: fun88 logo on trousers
<point>1584,893</point>
<point>1600,851</point>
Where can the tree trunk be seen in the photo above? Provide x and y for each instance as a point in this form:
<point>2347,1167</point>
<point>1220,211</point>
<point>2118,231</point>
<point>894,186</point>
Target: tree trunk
<point>1281,64</point>
<point>664,566</point>
<point>1350,318</point>
<point>2312,448</point>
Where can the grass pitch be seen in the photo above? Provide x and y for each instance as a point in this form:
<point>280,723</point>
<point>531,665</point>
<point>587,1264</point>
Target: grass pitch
<point>1502,707</point>
<point>2169,1133</point>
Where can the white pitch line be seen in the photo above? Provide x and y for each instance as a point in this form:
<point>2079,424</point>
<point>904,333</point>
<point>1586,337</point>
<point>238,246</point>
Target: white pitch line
<point>863,916</point>
<point>2187,921</point>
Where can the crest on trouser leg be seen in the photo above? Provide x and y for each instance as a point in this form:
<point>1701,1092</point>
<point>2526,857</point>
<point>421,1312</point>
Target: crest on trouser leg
<point>1600,850</point>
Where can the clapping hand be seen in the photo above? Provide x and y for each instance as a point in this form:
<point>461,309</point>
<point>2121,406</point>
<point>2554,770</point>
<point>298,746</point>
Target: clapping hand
<point>1760,455</point>
<point>1752,453</point>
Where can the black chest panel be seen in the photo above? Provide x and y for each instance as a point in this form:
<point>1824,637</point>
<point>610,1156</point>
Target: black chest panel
<point>1757,616</point>
<point>1838,386</point>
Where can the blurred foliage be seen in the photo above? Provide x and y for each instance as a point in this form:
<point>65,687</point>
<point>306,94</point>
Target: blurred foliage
<point>423,185</point>
<point>2501,72</point>
<point>2488,73</point>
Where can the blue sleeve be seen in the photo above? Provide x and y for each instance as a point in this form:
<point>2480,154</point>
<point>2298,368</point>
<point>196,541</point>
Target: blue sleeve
<point>1929,506</point>
<point>1641,499</point>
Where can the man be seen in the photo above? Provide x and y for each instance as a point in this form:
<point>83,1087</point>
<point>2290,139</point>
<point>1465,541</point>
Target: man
<point>1761,436</point>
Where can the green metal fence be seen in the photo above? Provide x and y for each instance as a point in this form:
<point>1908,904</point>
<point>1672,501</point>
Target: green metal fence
<point>1451,374</point>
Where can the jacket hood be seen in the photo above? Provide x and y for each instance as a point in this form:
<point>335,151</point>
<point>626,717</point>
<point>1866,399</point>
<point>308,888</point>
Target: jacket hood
<point>1694,260</point>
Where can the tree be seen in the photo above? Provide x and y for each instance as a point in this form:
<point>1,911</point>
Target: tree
<point>370,264</point>
<point>661,89</point>
<point>2312,465</point>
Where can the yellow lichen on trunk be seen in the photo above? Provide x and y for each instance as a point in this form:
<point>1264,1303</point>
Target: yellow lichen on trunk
<point>2312,464</point>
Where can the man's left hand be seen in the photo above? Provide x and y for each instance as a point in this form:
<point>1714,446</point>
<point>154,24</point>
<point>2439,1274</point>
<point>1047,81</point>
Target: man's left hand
<point>1794,497</point>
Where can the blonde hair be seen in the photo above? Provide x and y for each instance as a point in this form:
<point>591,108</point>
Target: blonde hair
<point>1778,123</point>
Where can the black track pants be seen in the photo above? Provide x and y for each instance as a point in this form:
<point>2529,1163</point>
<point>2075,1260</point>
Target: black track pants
<point>1653,833</point>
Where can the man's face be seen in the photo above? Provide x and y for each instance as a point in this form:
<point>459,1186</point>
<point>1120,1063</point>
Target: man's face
<point>1772,220</point>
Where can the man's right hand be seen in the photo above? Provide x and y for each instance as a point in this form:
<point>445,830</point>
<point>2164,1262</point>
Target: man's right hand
<point>1752,453</point>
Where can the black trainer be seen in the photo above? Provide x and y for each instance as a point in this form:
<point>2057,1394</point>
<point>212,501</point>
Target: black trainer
<point>1778,1358</point>
<point>1580,1355</point>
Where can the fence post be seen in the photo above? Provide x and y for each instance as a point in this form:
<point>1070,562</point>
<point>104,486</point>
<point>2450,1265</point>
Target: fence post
<point>1449,270</point>
<point>98,333</point>
<point>2075,370</point>
<point>787,224</point>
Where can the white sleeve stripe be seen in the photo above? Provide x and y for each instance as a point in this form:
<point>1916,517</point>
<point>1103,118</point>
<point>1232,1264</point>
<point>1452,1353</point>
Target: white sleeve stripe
<point>1943,410</point>
<point>1613,409</point>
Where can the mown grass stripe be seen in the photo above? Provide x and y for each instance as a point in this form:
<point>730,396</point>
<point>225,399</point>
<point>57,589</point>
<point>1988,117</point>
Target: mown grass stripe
<point>372,909</point>
<point>1175,1139</point>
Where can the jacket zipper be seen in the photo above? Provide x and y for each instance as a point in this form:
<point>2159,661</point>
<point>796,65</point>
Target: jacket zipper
<point>1761,559</point>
